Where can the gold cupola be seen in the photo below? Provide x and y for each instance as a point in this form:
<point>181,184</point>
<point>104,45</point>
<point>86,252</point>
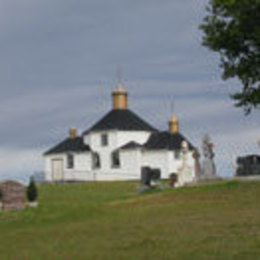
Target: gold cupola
<point>173,124</point>
<point>73,133</point>
<point>120,97</point>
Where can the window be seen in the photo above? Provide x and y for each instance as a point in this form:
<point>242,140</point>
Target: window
<point>96,163</point>
<point>70,161</point>
<point>104,140</point>
<point>115,159</point>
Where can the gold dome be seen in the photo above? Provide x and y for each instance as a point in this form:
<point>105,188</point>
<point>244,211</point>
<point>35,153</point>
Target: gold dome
<point>120,97</point>
<point>173,124</point>
<point>73,132</point>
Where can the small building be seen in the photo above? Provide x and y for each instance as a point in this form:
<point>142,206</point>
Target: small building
<point>13,194</point>
<point>248,165</point>
<point>117,147</point>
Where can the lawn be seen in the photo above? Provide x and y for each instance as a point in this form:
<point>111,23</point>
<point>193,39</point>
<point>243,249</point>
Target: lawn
<point>110,221</point>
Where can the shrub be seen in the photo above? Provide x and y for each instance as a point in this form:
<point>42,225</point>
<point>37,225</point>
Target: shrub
<point>32,192</point>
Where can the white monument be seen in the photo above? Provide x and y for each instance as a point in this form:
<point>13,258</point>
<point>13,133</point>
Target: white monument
<point>208,164</point>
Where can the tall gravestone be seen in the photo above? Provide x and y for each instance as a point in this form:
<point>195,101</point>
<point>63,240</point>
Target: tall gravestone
<point>185,171</point>
<point>197,166</point>
<point>208,165</point>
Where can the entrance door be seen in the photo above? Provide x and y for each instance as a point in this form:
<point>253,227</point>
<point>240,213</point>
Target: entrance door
<point>57,170</point>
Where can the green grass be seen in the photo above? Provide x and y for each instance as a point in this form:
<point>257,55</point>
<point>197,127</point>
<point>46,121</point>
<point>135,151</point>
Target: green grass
<point>110,221</point>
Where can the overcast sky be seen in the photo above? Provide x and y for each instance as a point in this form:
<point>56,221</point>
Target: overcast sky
<point>58,63</point>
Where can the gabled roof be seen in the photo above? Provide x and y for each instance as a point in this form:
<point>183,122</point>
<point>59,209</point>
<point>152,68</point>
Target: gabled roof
<point>69,145</point>
<point>166,140</point>
<point>121,119</point>
<point>131,145</point>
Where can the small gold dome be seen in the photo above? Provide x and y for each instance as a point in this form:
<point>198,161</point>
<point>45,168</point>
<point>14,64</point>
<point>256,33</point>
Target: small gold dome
<point>120,97</point>
<point>173,124</point>
<point>73,132</point>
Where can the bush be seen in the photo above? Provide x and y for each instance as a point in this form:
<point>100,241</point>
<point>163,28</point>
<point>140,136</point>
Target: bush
<point>32,192</point>
<point>1,195</point>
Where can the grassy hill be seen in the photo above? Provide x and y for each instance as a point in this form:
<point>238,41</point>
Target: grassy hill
<point>110,221</point>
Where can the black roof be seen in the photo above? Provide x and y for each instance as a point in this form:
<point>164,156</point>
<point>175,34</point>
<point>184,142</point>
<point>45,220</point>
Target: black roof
<point>130,145</point>
<point>166,140</point>
<point>121,119</point>
<point>69,145</point>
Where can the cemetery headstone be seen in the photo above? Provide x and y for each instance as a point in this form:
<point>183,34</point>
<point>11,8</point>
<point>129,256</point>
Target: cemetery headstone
<point>13,195</point>
<point>150,178</point>
<point>208,164</point>
<point>185,171</point>
<point>197,166</point>
<point>173,179</point>
<point>248,165</point>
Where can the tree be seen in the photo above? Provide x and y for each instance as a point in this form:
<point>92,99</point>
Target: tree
<point>32,192</point>
<point>232,28</point>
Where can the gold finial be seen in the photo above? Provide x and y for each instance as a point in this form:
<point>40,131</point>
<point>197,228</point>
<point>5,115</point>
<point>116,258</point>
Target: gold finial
<point>173,124</point>
<point>73,132</point>
<point>120,97</point>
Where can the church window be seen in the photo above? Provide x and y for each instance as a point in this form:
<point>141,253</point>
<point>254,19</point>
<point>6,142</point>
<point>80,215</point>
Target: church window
<point>96,163</point>
<point>115,158</point>
<point>70,161</point>
<point>104,140</point>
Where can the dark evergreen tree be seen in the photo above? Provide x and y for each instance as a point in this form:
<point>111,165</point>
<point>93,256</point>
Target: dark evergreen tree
<point>32,192</point>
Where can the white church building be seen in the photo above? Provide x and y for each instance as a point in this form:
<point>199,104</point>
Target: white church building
<point>117,147</point>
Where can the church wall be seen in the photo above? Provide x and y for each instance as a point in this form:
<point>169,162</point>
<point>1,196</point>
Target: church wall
<point>130,168</point>
<point>131,162</point>
<point>94,140</point>
<point>157,159</point>
<point>116,139</point>
<point>124,137</point>
<point>166,161</point>
<point>80,171</point>
<point>174,163</point>
<point>48,164</point>
<point>83,161</point>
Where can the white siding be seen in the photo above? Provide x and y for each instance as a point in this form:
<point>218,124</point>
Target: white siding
<point>167,163</point>
<point>138,136</point>
<point>116,139</point>
<point>157,159</point>
<point>131,161</point>
<point>80,171</point>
